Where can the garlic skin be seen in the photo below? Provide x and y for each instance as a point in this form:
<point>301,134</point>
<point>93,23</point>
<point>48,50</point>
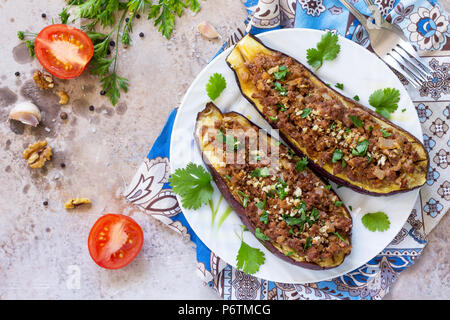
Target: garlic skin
<point>27,113</point>
<point>207,30</point>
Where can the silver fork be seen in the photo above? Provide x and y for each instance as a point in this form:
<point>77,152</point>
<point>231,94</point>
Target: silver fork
<point>391,45</point>
<point>239,33</point>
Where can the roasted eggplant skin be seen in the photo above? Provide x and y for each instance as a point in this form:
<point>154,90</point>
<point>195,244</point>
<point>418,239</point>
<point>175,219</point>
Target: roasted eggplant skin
<point>212,114</point>
<point>250,44</point>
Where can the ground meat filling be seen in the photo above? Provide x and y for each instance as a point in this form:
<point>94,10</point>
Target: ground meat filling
<point>347,140</point>
<point>284,199</point>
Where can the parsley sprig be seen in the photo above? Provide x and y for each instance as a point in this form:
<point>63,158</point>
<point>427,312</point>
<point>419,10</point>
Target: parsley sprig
<point>376,221</point>
<point>193,184</point>
<point>385,101</point>
<point>326,49</point>
<point>216,84</point>
<point>249,259</point>
<point>104,14</point>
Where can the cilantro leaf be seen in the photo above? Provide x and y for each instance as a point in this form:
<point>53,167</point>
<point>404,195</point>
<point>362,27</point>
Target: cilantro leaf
<point>281,73</point>
<point>260,235</point>
<point>385,101</point>
<point>377,221</point>
<point>249,259</point>
<point>215,86</point>
<point>356,121</point>
<point>264,217</point>
<point>326,49</point>
<point>281,90</point>
<point>193,184</point>
<point>261,172</point>
<point>301,164</point>
<point>337,155</point>
<point>385,133</point>
<point>305,112</point>
<point>339,86</point>
<point>361,148</point>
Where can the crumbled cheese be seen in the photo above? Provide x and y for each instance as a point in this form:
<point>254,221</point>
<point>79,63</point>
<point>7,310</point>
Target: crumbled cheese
<point>298,192</point>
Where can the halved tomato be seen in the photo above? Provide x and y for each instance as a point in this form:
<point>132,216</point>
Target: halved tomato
<point>115,240</point>
<point>64,51</point>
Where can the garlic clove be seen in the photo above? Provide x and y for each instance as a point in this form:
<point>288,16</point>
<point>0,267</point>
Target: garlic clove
<point>207,30</point>
<point>27,113</point>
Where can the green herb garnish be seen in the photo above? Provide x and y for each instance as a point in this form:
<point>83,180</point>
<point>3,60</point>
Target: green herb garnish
<point>260,235</point>
<point>261,205</point>
<point>307,243</point>
<point>377,221</point>
<point>306,112</point>
<point>215,86</point>
<point>243,197</point>
<point>193,184</point>
<point>337,155</point>
<point>385,101</point>
<point>260,172</point>
<point>385,132</point>
<point>361,148</point>
<point>326,49</point>
<point>340,86</point>
<point>281,90</point>
<point>281,73</point>
<point>356,121</point>
<point>282,107</point>
<point>264,217</point>
<point>301,164</point>
<point>249,259</point>
<point>281,189</point>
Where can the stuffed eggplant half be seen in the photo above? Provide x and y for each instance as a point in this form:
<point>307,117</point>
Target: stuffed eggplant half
<point>345,141</point>
<point>291,210</point>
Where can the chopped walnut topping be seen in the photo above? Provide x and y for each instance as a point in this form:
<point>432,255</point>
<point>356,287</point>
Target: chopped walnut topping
<point>75,202</point>
<point>44,80</point>
<point>63,97</point>
<point>37,154</point>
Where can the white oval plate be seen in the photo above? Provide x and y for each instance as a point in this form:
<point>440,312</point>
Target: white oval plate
<point>362,73</point>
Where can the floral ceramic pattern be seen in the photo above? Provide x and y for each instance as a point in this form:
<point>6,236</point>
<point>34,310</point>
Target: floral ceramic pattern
<point>439,84</point>
<point>428,28</point>
<point>312,7</point>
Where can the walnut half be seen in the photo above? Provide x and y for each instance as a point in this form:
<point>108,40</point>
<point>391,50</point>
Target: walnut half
<point>37,154</point>
<point>75,202</point>
<point>63,97</point>
<point>44,80</point>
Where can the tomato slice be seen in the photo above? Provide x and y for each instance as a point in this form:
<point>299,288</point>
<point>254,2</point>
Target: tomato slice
<point>64,51</point>
<point>115,240</point>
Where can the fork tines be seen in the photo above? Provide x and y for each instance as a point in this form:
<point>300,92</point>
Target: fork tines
<point>234,38</point>
<point>405,57</point>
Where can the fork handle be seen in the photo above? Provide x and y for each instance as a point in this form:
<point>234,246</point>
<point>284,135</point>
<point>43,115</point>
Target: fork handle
<point>358,15</point>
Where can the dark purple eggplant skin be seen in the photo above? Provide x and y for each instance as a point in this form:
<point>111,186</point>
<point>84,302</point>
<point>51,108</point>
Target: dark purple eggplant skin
<point>311,164</point>
<point>240,210</point>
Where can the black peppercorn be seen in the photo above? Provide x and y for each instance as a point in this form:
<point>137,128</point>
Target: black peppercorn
<point>112,43</point>
<point>138,16</point>
<point>17,73</point>
<point>127,19</point>
<point>43,15</point>
<point>45,203</point>
<point>141,34</point>
<point>63,165</point>
<point>108,52</point>
<point>91,108</point>
<point>63,115</point>
<point>103,92</point>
